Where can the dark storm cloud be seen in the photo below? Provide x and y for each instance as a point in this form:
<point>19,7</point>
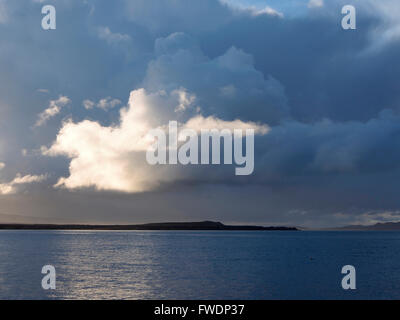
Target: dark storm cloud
<point>326,71</point>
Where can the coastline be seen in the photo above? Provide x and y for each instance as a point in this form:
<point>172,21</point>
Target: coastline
<point>197,226</point>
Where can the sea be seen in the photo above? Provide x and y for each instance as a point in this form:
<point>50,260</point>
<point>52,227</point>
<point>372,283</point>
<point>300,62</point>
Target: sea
<point>243,265</point>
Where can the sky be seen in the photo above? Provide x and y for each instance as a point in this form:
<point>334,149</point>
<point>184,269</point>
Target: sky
<point>76,103</point>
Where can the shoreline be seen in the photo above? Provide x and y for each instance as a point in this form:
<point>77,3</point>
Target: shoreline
<point>184,226</point>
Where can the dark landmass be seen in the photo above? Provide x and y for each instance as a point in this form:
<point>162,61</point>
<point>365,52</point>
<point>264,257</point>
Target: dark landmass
<point>388,226</point>
<point>206,225</point>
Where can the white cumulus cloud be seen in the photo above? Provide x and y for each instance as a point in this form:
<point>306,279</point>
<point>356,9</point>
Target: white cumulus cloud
<point>105,104</point>
<point>113,158</point>
<point>267,10</point>
<point>54,108</point>
<point>12,186</point>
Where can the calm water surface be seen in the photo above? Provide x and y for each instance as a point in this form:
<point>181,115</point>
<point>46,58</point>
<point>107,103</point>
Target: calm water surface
<point>199,265</point>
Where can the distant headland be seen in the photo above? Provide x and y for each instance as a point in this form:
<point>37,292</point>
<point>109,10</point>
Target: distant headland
<point>204,225</point>
<point>386,226</point>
